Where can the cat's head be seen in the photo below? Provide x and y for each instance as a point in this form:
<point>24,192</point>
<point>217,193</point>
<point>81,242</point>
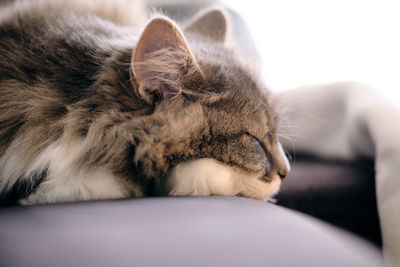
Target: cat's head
<point>213,129</point>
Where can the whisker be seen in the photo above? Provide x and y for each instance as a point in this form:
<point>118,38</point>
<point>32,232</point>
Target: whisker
<point>289,136</point>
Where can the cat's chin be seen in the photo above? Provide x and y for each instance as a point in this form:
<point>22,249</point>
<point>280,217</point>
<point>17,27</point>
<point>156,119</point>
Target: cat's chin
<point>272,199</point>
<point>207,176</point>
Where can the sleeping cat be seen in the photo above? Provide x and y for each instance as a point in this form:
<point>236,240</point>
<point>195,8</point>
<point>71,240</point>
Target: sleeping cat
<point>92,107</point>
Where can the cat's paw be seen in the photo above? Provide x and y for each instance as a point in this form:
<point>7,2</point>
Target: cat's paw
<point>207,176</point>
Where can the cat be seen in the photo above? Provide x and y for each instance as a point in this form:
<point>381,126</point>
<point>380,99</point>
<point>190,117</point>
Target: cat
<point>97,103</point>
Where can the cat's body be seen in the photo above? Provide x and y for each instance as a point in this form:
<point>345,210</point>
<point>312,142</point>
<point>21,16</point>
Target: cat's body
<point>93,108</point>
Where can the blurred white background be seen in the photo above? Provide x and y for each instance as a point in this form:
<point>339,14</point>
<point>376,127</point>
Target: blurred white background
<point>313,41</point>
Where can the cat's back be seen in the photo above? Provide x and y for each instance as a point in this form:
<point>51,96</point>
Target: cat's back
<point>47,37</point>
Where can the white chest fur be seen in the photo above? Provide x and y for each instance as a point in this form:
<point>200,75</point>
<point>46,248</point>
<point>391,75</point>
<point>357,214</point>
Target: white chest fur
<point>67,182</point>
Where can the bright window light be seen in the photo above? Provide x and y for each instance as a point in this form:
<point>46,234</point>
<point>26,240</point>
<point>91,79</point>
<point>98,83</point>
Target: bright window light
<point>312,41</point>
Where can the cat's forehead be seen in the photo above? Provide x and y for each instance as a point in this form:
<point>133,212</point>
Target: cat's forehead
<point>223,71</point>
<point>241,99</point>
<point>232,91</point>
<point>237,84</point>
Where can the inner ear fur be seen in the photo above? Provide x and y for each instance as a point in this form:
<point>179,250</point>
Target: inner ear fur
<point>210,23</point>
<point>160,61</point>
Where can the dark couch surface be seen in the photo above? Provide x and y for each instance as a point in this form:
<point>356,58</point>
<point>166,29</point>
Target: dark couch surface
<point>339,192</point>
<point>180,231</point>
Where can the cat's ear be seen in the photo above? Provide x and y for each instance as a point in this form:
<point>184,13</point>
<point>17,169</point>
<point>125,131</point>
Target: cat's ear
<point>161,61</point>
<point>210,23</point>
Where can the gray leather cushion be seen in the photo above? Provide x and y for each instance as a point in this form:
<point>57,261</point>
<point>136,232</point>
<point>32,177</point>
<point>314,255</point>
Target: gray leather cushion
<point>182,231</point>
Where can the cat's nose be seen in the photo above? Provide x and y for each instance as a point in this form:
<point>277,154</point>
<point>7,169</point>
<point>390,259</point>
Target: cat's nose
<point>283,163</point>
<point>283,174</point>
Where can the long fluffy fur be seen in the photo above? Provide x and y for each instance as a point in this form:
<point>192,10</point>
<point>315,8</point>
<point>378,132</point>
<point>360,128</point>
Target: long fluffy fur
<point>73,128</point>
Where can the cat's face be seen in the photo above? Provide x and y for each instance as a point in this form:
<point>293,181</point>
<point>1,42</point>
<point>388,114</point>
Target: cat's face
<point>214,129</point>
<point>237,128</point>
